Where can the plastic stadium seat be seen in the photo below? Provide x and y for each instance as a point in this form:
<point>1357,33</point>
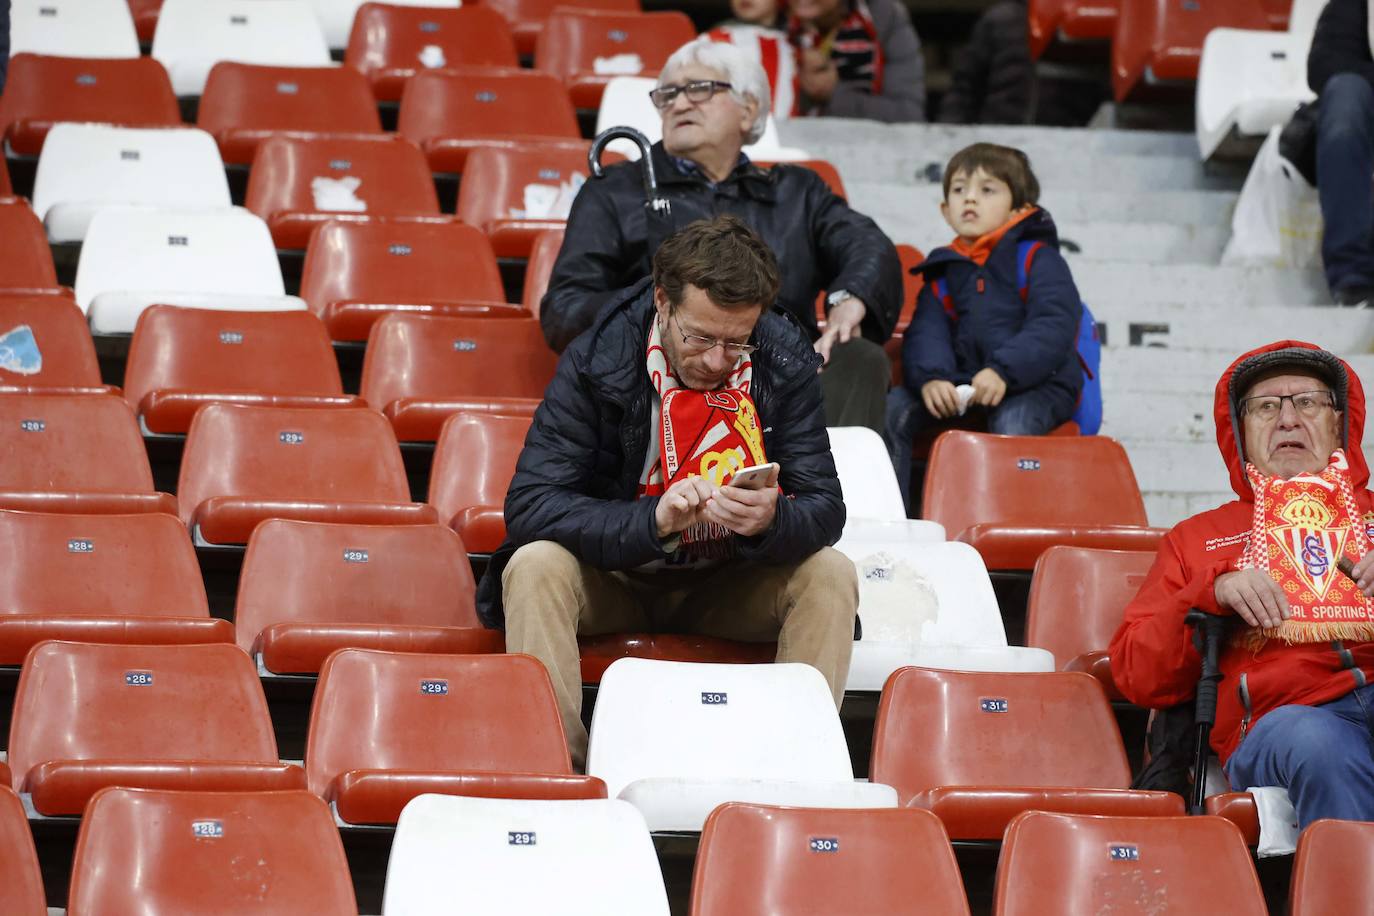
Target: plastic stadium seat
<point>474,462</point>
<point>513,191</point>
<point>528,17</point>
<point>72,28</point>
<point>337,17</point>
<point>244,104</point>
<point>243,465</point>
<point>543,254</point>
<point>181,359</point>
<point>1076,602</point>
<point>870,491</point>
<point>88,716</point>
<point>74,453</point>
<point>598,653</point>
<point>192,35</point>
<point>909,256</point>
<point>452,112</point>
<point>390,44</point>
<point>135,257</point>
<point>1014,496</point>
<point>86,167</point>
<point>41,91</point>
<point>309,588</point>
<point>6,189</point>
<point>1065,863</point>
<point>419,369</point>
<point>25,258</point>
<point>585,48</point>
<point>481,855</point>
<point>978,748</point>
<point>1240,809</point>
<point>21,883</point>
<point>100,578</point>
<point>298,183</point>
<point>759,860</point>
<point>357,272</point>
<point>676,739</point>
<point>387,727</point>
<point>1160,41</point>
<point>1070,21</point>
<point>46,346</point>
<point>1330,872</point>
<point>1250,80</point>
<point>145,14</point>
<point>273,853</point>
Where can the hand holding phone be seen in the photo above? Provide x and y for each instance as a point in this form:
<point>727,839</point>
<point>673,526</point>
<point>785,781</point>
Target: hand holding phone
<point>755,477</point>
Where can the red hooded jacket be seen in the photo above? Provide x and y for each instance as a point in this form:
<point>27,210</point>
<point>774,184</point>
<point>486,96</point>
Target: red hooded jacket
<point>1153,659</point>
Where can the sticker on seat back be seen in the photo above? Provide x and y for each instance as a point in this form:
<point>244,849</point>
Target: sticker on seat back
<point>19,351</point>
<point>138,678</point>
<point>211,830</point>
<point>434,687</point>
<point>825,844</point>
<point>1124,852</point>
<point>520,838</point>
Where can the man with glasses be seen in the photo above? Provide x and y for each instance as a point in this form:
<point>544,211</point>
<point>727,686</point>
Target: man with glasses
<point>713,100</point>
<point>622,517</point>
<point>1295,706</point>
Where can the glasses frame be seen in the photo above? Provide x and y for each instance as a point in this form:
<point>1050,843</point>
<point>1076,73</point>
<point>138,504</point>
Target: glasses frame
<point>699,345</point>
<point>663,97</point>
<point>1329,395</point>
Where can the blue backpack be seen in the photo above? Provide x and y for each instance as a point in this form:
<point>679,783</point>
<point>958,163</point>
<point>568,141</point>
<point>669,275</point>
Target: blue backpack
<point>1088,413</point>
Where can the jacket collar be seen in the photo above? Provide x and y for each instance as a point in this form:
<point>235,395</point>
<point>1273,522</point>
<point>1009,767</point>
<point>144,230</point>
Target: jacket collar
<point>1034,226</point>
<point>750,180</point>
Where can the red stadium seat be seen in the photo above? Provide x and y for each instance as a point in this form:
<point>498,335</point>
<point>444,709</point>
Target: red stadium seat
<point>1076,602</point>
<point>758,860</point>
<point>421,369</point>
<point>25,258</point>
<point>270,853</point>
<point>474,462</point>
<point>6,189</point>
<point>452,112</point>
<point>978,748</point>
<point>1066,863</point>
<point>357,272</point>
<point>21,882</point>
<point>1331,871</point>
<point>243,104</point>
<point>910,256</point>
<point>42,90</point>
<point>1070,21</point>
<point>100,578</point>
<point>309,588</point>
<point>821,167</point>
<point>298,183</point>
<point>243,465</point>
<point>527,17</point>
<point>1239,808</point>
<point>390,44</point>
<point>1012,497</point>
<point>598,652</point>
<point>145,14</point>
<point>88,716</point>
<point>67,362</point>
<point>182,359</point>
<point>1160,41</point>
<point>74,453</point>
<point>492,196</point>
<point>388,726</point>
<point>543,254</point>
<point>575,41</point>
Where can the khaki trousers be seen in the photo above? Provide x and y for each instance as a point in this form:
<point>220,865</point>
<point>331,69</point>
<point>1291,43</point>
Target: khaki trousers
<point>551,598</point>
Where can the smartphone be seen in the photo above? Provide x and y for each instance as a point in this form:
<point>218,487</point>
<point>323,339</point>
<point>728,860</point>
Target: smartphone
<point>753,478</point>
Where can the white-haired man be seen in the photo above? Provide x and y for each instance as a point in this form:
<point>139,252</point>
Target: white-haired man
<point>714,100</point>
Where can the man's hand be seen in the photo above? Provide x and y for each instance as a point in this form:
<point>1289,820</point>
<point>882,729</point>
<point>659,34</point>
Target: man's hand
<point>680,507</point>
<point>746,512</point>
<point>840,325</point>
<point>1363,574</point>
<point>817,75</point>
<point>988,388</point>
<point>940,398</point>
<point>1253,595</point>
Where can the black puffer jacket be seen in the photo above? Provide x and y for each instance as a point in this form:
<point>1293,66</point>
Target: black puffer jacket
<point>820,243</point>
<point>1340,43</point>
<point>993,75</point>
<point>577,479</point>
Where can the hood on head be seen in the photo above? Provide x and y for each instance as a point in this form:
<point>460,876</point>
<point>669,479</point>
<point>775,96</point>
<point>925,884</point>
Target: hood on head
<point>1299,356</point>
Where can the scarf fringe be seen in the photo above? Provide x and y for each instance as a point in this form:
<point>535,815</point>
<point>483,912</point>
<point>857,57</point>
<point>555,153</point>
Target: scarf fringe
<point>1297,631</point>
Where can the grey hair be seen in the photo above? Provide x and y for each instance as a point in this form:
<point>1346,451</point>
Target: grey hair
<point>741,71</point>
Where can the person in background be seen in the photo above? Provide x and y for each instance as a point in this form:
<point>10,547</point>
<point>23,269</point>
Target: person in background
<point>857,59</point>
<point>755,30</point>
<point>993,78</point>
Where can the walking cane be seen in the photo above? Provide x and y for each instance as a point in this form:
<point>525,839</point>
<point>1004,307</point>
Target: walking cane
<point>1207,633</point>
<point>656,204</point>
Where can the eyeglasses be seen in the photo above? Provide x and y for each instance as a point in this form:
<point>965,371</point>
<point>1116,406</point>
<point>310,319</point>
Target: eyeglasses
<point>696,344</point>
<point>1307,403</point>
<point>697,91</point>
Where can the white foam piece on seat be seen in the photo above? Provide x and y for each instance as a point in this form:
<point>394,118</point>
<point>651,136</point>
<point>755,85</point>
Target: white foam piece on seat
<point>678,804</point>
<point>73,28</point>
<point>502,856</point>
<point>86,167</point>
<point>1250,81</point>
<point>193,35</point>
<point>336,16</point>
<point>117,312</point>
<point>866,475</point>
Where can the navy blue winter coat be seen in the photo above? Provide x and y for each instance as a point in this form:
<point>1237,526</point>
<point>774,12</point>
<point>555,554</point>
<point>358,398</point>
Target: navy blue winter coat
<point>1029,344</point>
<point>577,479</point>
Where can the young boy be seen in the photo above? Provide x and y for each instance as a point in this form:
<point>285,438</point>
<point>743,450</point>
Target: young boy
<point>975,342</point>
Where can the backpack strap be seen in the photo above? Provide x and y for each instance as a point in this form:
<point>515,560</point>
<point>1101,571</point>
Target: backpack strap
<point>1025,253</point>
<point>941,290</point>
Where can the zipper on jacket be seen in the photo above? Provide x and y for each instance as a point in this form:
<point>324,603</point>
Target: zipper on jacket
<point>1244,690</point>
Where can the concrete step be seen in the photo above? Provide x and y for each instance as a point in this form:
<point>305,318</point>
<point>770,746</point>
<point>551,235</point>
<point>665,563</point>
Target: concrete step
<point>1115,283</point>
<point>1143,371</point>
<point>1229,329</point>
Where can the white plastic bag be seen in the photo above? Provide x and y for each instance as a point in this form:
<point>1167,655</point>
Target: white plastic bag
<point>1278,219</point>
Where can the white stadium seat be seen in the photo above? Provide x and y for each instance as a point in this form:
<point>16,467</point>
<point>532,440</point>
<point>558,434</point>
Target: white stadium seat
<point>73,28</point>
<point>86,167</point>
<point>676,739</point>
<point>336,16</point>
<point>193,35</point>
<point>134,257</point>
<point>494,857</point>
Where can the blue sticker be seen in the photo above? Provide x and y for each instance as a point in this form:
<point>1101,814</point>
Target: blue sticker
<point>486,96</point>
<point>341,165</point>
<point>213,830</point>
<point>520,837</point>
<point>435,687</point>
<point>825,844</point>
<point>619,36</point>
<point>19,351</point>
<point>80,545</point>
<point>32,426</point>
<point>230,337</point>
<point>993,704</point>
<point>1125,852</point>
<point>290,437</point>
<point>714,699</point>
<point>355,555</point>
<point>399,250</point>
<point>285,88</point>
<point>464,346</point>
<point>138,678</point>
<point>1028,464</point>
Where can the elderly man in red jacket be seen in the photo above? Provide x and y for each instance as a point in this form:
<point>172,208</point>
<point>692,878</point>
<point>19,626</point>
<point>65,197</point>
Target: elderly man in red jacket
<point>1295,708</point>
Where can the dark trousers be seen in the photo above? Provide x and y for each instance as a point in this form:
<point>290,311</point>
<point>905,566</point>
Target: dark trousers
<point>1345,180</point>
<point>854,384</point>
